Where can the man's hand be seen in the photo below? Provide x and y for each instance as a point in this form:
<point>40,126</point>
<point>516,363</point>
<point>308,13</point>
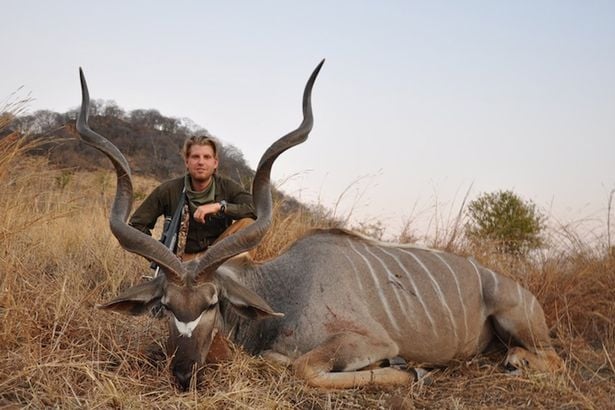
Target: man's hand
<point>202,211</point>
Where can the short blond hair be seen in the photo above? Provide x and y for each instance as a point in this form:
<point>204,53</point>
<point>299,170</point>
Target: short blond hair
<point>207,140</point>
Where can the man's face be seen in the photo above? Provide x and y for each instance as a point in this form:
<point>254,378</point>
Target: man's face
<point>201,163</point>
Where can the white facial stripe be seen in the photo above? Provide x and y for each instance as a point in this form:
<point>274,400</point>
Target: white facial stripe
<point>186,329</point>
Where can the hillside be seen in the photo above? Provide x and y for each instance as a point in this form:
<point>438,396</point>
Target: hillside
<point>150,141</point>
<point>58,259</point>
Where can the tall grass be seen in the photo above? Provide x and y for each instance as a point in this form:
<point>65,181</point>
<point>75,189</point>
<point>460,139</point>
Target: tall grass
<point>58,259</point>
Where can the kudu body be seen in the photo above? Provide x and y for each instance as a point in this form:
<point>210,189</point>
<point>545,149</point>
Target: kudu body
<point>346,302</point>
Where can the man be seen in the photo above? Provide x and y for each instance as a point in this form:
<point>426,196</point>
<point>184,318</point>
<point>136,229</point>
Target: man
<point>212,202</point>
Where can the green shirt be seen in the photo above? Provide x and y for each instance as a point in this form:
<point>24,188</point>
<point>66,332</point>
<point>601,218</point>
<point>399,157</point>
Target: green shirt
<point>165,198</point>
<point>196,198</point>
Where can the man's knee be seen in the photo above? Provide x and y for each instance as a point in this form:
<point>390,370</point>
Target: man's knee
<point>236,226</point>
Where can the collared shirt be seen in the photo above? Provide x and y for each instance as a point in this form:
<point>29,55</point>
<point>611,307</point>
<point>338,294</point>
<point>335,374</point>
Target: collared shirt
<point>198,198</point>
<point>165,199</point>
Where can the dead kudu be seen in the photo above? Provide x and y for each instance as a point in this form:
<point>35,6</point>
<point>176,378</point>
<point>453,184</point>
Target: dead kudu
<point>347,303</point>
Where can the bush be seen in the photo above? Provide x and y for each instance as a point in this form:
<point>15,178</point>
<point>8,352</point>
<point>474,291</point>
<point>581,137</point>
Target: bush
<point>502,219</point>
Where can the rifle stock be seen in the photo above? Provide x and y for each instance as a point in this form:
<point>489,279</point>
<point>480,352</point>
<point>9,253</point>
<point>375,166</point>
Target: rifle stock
<point>171,230</point>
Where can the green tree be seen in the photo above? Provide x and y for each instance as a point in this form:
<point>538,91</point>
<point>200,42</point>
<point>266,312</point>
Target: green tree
<point>502,218</point>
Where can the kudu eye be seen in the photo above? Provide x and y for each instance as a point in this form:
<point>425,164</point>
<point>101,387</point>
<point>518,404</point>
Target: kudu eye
<point>210,306</point>
<point>211,301</point>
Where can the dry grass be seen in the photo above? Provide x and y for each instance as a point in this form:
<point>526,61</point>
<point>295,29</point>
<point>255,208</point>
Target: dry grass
<point>58,258</point>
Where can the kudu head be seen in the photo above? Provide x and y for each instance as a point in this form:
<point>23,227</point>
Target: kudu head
<point>191,292</point>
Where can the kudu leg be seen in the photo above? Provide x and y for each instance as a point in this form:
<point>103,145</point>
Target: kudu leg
<point>336,363</point>
<point>544,360</point>
<point>525,324</point>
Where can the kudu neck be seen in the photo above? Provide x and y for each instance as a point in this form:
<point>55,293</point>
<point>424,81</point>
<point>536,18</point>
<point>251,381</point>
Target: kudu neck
<point>252,335</point>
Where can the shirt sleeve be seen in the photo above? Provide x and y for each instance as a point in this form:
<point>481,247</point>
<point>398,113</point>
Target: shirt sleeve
<point>239,201</point>
<point>146,215</point>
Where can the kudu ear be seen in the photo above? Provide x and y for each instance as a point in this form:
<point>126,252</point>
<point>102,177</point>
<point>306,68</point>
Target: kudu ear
<point>245,302</point>
<point>137,299</point>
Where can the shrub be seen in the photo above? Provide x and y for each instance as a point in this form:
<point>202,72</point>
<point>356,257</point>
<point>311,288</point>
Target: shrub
<point>507,222</point>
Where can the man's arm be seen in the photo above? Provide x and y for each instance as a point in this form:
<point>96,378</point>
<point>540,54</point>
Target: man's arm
<point>239,203</point>
<point>146,215</point>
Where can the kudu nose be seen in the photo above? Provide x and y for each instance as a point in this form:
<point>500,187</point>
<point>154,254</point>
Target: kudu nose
<point>510,368</point>
<point>183,378</point>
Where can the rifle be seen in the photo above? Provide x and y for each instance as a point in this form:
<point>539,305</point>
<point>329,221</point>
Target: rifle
<point>170,230</point>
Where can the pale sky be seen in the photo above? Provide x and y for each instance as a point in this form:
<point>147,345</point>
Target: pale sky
<point>425,98</point>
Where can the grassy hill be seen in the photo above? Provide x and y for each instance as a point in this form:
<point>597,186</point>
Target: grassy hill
<point>58,259</point>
